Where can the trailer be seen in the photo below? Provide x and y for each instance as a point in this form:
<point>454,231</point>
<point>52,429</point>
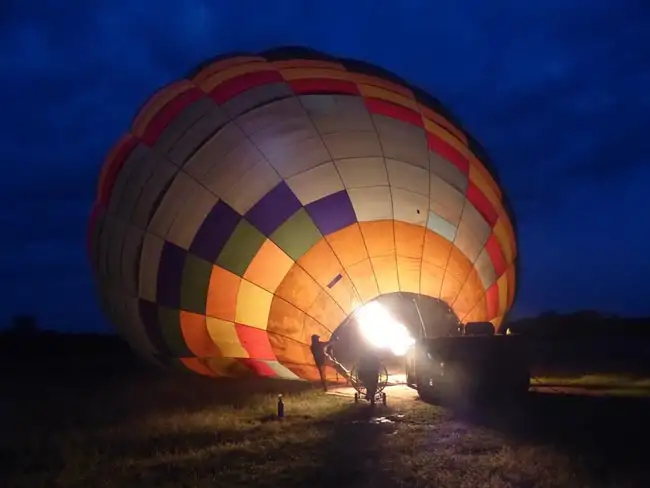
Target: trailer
<point>474,366</point>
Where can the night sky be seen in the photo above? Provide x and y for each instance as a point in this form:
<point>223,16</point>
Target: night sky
<point>558,92</point>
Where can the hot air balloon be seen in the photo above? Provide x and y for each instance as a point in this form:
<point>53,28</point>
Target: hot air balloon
<point>266,197</point>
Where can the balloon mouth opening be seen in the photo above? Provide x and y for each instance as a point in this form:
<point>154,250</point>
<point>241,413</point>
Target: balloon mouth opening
<point>390,325</point>
<point>380,330</point>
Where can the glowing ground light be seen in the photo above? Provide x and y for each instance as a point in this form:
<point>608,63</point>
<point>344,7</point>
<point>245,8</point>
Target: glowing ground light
<point>382,331</point>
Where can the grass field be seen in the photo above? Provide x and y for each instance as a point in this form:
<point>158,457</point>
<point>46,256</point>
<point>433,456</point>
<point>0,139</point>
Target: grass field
<point>169,431</point>
<point>602,384</point>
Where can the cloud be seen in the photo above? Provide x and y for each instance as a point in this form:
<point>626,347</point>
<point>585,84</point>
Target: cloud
<point>556,91</point>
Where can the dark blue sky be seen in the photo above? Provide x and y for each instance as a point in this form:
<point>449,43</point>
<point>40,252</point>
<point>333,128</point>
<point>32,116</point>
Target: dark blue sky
<point>557,91</point>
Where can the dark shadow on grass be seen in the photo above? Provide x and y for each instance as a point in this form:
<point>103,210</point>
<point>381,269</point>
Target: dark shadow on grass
<point>606,433</point>
<point>63,402</point>
<point>350,455</point>
<point>344,452</point>
<point>301,451</point>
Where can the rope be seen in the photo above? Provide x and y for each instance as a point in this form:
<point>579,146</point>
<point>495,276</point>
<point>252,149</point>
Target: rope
<point>545,385</point>
<point>338,367</point>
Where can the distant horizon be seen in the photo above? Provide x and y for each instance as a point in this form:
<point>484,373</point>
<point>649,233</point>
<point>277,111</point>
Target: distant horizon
<point>110,329</point>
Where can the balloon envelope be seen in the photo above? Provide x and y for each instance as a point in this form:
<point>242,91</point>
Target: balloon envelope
<point>266,197</point>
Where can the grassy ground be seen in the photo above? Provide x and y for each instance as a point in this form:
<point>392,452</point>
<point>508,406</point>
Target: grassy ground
<point>168,431</point>
<point>602,384</point>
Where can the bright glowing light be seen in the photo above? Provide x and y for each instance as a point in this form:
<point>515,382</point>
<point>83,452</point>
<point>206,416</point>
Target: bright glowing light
<point>382,331</point>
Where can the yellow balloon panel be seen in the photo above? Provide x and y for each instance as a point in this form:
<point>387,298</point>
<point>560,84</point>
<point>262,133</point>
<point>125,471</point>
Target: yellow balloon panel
<point>370,91</point>
<point>502,283</point>
<point>222,65</point>
<point>511,285</point>
<point>442,122</point>
<point>224,334</point>
<point>497,322</point>
<point>509,233</point>
<point>363,79</point>
<point>482,179</point>
<point>253,305</point>
<point>218,77</point>
<point>501,232</point>
<point>436,128</point>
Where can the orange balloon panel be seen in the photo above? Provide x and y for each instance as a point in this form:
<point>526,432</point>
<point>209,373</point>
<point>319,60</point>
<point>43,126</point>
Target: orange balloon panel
<point>299,288</point>
<point>195,333</point>
<point>431,279</point>
<point>364,280</point>
<point>286,319</point>
<point>409,240</point>
<point>326,311</point>
<point>379,237</point>
<point>458,269</point>
<point>265,197</point>
<point>470,294</point>
<point>436,249</point>
<point>385,268</point>
<point>269,267</point>
<point>222,294</point>
<point>408,273</point>
<point>348,245</point>
<point>478,313</point>
<point>197,366</point>
<point>323,265</point>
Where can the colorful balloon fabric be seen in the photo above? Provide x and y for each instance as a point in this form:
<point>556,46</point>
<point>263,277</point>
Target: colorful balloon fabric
<point>266,197</point>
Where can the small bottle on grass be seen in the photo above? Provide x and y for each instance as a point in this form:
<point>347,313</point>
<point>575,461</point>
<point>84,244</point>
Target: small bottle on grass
<point>280,407</point>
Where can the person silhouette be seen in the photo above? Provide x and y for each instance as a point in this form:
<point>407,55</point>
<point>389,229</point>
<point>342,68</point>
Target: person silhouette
<point>368,370</point>
<point>318,351</point>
